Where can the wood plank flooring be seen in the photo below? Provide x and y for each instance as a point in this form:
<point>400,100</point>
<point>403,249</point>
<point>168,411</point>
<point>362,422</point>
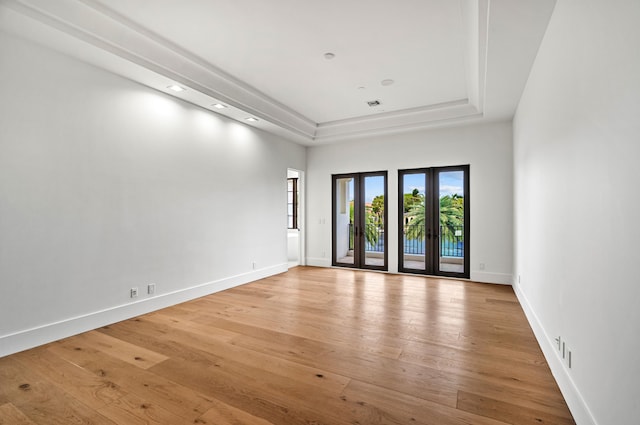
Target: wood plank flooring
<point>311,346</point>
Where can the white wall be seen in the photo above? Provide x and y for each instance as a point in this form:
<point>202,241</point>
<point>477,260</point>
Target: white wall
<point>488,150</point>
<point>106,185</point>
<point>577,145</point>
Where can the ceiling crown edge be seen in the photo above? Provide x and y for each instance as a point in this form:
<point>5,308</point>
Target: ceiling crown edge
<point>91,22</point>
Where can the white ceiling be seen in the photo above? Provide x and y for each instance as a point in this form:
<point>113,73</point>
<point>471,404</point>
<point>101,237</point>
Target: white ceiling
<point>451,60</point>
<point>277,47</point>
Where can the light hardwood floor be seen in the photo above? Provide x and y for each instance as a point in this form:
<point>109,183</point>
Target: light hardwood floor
<point>311,346</point>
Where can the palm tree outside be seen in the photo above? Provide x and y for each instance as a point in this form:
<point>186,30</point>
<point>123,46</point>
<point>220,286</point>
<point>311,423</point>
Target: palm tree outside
<point>451,218</point>
<point>374,222</point>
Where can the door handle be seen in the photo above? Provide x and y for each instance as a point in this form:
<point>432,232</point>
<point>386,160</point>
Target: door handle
<point>428,233</point>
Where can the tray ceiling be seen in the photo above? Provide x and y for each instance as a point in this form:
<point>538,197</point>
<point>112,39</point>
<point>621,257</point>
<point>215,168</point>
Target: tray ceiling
<point>426,62</point>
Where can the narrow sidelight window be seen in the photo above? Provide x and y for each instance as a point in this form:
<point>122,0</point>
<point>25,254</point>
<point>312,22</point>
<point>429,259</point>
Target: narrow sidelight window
<point>292,203</point>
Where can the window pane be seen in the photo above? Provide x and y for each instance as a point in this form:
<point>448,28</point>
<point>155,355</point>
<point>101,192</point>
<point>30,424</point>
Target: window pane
<point>414,243</point>
<point>374,230</point>
<point>344,219</point>
<point>451,212</point>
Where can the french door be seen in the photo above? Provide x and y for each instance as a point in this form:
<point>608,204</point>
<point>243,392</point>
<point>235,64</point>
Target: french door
<point>360,220</point>
<point>434,221</point>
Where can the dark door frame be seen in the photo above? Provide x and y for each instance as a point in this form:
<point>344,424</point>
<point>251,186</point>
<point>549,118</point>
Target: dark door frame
<point>359,241</point>
<point>432,221</point>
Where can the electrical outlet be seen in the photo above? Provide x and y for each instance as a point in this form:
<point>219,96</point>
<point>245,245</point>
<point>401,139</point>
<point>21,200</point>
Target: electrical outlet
<point>481,266</point>
<point>134,292</point>
<point>151,288</point>
<point>518,278</point>
<point>253,264</point>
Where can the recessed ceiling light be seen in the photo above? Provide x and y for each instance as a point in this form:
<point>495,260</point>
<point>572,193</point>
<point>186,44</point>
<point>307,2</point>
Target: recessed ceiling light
<point>219,106</point>
<point>329,55</point>
<point>251,119</point>
<point>387,82</point>
<point>176,88</point>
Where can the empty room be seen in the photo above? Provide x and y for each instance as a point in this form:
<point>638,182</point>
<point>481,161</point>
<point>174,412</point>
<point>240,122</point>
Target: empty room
<point>338,212</point>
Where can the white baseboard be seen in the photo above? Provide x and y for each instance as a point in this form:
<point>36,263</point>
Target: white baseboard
<point>487,277</point>
<point>318,262</point>
<point>34,337</point>
<point>476,276</point>
<point>579,409</point>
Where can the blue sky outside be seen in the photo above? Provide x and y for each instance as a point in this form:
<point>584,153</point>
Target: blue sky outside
<point>373,186</point>
<point>413,181</point>
<point>451,182</point>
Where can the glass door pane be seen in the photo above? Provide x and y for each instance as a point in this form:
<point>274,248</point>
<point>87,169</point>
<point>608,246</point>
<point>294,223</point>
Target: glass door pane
<point>374,220</point>
<point>451,213</point>
<point>344,220</point>
<point>413,221</point>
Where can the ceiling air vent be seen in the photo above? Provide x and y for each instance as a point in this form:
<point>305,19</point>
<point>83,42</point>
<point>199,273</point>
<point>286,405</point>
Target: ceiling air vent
<point>373,103</point>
